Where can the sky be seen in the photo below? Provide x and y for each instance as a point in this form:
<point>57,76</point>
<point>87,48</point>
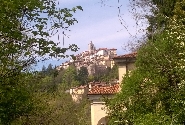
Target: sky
<point>99,23</point>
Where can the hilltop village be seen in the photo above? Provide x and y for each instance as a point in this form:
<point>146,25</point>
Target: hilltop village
<point>95,60</point>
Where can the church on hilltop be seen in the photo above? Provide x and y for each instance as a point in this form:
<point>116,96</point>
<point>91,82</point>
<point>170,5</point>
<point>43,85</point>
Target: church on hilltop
<point>96,60</point>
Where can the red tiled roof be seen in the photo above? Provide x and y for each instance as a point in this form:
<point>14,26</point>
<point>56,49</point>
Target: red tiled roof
<point>96,90</point>
<point>130,55</point>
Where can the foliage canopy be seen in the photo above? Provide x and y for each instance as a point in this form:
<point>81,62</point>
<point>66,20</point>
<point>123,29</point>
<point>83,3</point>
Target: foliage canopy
<point>154,92</point>
<point>26,28</point>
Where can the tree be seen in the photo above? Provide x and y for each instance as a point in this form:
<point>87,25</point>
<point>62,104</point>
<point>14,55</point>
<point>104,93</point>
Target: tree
<point>113,73</point>
<point>25,31</point>
<point>43,68</point>
<point>109,74</point>
<point>156,12</point>
<point>82,75</point>
<point>154,92</point>
<point>25,28</point>
<point>16,99</point>
<point>69,78</point>
<point>49,69</point>
<point>56,108</point>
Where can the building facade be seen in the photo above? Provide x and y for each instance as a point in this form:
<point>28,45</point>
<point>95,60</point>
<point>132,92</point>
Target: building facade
<point>96,60</point>
<point>97,93</point>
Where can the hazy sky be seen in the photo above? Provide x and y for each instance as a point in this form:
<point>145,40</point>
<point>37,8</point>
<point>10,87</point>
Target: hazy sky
<point>99,23</point>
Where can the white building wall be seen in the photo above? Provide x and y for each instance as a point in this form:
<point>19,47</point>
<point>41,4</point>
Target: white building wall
<point>98,113</point>
<point>101,52</point>
<point>122,71</point>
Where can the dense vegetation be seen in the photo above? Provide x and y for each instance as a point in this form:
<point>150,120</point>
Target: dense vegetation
<point>153,94</point>
<point>51,102</point>
<point>28,97</point>
<point>71,76</point>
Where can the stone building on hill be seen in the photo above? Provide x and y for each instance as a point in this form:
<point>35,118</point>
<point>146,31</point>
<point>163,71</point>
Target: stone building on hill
<point>96,60</point>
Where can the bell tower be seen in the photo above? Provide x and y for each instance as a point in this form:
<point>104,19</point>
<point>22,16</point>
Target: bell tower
<point>91,47</point>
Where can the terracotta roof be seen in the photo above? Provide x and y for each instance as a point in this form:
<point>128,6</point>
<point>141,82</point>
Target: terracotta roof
<point>130,55</point>
<point>96,90</point>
